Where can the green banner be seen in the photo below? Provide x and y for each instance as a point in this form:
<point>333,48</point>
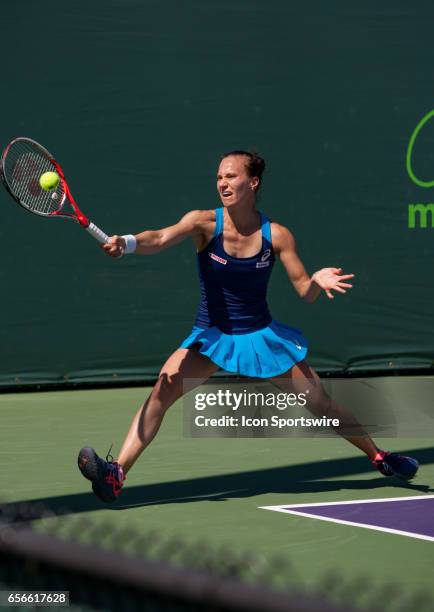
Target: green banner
<point>138,100</point>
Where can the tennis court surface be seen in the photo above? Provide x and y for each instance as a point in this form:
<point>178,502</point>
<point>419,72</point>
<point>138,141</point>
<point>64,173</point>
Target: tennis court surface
<point>330,519</point>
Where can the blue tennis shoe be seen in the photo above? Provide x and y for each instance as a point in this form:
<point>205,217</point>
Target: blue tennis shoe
<point>392,464</point>
<point>107,476</point>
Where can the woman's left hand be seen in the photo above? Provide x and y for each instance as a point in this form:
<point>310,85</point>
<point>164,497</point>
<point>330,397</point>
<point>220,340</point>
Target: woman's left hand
<point>331,279</point>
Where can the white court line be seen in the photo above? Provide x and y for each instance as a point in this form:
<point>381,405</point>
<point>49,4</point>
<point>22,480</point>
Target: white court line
<point>287,509</point>
<point>352,501</point>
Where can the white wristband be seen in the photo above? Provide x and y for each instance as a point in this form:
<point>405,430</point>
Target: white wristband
<point>130,243</point>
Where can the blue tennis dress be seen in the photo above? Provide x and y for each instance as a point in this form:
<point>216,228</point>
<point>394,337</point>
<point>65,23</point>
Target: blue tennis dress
<point>233,326</point>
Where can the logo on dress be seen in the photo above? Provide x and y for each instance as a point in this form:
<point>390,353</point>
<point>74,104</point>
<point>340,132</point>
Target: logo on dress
<point>265,262</point>
<point>219,259</point>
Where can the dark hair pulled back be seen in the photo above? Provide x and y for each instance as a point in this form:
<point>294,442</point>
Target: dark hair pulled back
<point>255,164</point>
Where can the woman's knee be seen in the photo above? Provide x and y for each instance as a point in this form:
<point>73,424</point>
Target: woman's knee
<point>167,389</point>
<point>305,379</point>
<point>320,401</point>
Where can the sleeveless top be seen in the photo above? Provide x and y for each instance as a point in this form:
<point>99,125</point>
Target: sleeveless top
<point>233,289</point>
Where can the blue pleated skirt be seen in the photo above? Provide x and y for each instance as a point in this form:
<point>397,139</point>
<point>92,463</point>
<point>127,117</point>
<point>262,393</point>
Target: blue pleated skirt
<point>264,353</point>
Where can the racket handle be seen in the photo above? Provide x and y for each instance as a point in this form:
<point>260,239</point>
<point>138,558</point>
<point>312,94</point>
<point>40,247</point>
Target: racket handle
<point>97,233</point>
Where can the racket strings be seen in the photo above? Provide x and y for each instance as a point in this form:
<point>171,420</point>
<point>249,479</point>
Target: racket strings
<point>23,166</point>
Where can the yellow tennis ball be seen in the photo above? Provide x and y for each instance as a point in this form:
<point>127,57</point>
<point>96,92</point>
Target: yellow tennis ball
<point>49,180</point>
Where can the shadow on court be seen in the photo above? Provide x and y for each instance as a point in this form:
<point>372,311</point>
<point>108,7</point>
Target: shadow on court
<point>291,479</point>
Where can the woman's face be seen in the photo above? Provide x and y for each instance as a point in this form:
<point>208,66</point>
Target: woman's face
<point>233,183</point>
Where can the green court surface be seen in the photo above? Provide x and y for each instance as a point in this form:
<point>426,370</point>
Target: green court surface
<point>211,489</point>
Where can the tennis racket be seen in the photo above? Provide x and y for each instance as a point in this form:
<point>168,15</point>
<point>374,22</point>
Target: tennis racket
<point>22,163</point>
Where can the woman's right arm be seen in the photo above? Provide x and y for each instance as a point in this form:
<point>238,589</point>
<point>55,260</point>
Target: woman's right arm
<point>193,224</point>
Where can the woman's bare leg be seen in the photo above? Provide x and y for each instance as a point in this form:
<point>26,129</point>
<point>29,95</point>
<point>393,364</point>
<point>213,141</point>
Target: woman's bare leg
<point>184,370</point>
<point>301,378</point>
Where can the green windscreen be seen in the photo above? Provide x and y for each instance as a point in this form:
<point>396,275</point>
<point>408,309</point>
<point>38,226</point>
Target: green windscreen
<point>139,99</point>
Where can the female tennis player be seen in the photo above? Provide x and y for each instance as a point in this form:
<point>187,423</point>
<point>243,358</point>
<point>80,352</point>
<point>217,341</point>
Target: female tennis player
<point>234,330</point>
